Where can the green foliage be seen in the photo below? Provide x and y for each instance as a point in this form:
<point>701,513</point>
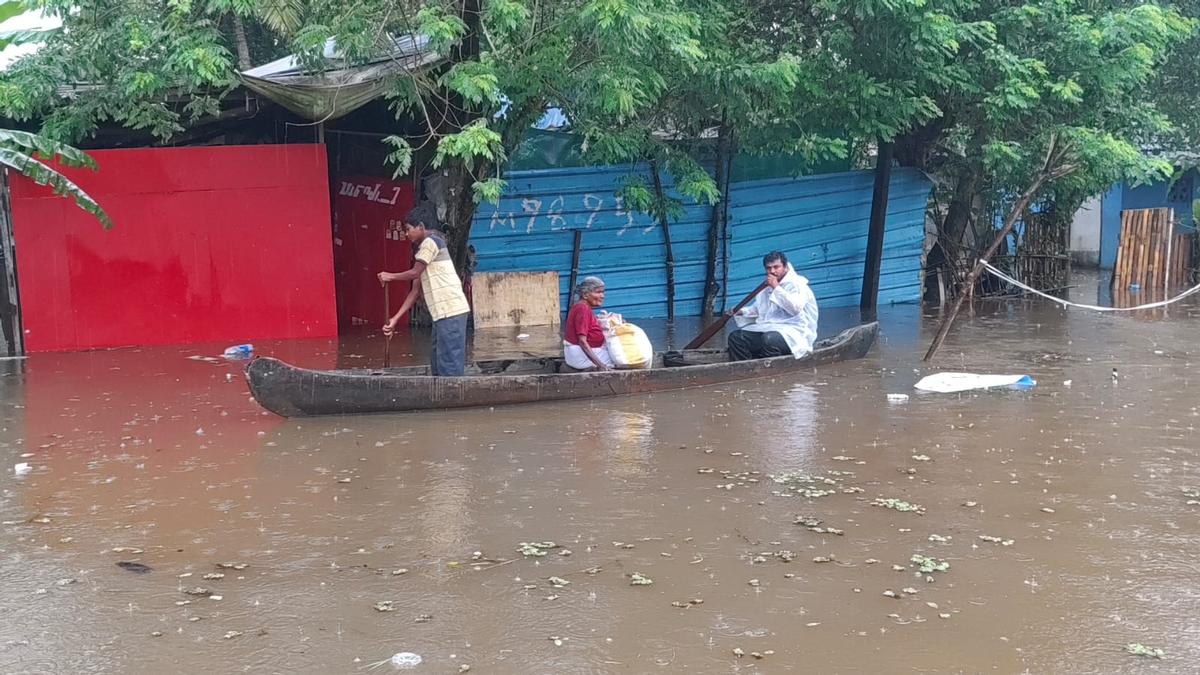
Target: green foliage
<point>119,61</point>
<point>28,153</point>
<point>489,190</point>
<point>400,158</point>
<point>976,87</point>
<point>475,143</point>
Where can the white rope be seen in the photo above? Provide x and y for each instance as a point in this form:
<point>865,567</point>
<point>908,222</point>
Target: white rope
<point>1067,303</point>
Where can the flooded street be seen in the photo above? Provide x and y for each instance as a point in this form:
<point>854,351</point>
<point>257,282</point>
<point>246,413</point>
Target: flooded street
<point>759,510</point>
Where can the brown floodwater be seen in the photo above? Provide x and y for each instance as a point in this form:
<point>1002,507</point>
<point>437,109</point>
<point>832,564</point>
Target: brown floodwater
<point>146,456</point>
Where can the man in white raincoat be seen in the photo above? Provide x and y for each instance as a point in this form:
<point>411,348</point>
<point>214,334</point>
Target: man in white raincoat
<point>781,320</point>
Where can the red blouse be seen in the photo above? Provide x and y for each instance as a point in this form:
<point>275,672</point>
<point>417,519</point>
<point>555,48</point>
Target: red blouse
<point>581,321</point>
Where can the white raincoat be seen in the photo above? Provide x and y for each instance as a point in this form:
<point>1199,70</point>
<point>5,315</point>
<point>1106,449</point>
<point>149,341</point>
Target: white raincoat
<point>790,310</point>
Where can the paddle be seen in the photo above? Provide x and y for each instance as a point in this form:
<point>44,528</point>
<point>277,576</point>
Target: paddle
<point>716,326</point>
<point>387,316</point>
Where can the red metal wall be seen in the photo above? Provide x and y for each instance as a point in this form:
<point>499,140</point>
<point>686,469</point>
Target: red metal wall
<point>229,243</point>
<point>367,212</point>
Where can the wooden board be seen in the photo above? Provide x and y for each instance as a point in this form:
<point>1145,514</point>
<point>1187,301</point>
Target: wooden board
<point>515,299</point>
<point>1149,253</point>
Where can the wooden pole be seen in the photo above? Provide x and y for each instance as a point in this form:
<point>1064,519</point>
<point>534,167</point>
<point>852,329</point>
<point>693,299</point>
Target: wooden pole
<point>708,306</point>
<point>575,250</point>
<point>387,316</point>
<point>664,222</point>
<point>875,231</point>
<point>11,314</point>
<point>712,329</point>
<point>1052,168</point>
<point>726,233</point>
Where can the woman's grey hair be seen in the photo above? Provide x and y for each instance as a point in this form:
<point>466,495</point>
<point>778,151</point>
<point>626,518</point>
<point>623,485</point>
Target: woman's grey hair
<point>588,285</point>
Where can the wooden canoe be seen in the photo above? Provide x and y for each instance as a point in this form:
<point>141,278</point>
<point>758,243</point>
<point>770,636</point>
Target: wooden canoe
<point>296,392</point>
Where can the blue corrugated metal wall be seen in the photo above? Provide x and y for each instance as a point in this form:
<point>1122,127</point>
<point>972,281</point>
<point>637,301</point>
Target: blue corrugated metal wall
<point>819,221</point>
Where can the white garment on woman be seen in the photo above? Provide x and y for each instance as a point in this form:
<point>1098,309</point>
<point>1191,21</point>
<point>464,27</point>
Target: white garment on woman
<point>789,309</point>
<point>574,356</point>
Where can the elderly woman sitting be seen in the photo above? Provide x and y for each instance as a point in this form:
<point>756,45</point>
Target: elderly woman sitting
<point>583,337</point>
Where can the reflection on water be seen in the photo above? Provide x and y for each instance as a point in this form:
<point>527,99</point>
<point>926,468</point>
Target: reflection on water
<point>148,456</point>
<point>628,438</point>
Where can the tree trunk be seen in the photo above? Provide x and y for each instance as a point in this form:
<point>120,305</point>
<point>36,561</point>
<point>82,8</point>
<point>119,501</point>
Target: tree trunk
<point>716,222</point>
<point>726,198</point>
<point>879,203</point>
<point>243,47</point>
<point>962,208</point>
<point>451,191</point>
<point>1051,170</point>
<point>664,222</point>
<point>454,185</point>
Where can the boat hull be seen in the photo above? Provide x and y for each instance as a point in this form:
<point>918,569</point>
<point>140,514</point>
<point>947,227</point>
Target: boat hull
<point>298,392</point>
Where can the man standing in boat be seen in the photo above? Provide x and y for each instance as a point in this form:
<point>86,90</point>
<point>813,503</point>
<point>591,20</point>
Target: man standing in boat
<point>441,288</point>
<point>781,320</point>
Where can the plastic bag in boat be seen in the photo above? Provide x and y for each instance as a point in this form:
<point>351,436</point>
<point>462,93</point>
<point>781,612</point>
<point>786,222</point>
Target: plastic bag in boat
<point>627,344</point>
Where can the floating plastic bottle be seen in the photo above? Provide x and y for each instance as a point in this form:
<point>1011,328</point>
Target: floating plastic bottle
<point>239,351</point>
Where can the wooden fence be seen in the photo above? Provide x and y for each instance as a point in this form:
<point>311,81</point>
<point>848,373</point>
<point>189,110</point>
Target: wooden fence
<point>1149,253</point>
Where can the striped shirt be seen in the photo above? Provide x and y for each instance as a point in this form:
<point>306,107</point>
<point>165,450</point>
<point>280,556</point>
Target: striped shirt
<point>439,282</point>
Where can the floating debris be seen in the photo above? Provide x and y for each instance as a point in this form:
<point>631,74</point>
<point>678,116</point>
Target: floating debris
<point>405,660</point>
<point>898,505</point>
<point>753,582</point>
<point>385,606</point>
<point>400,571</point>
<point>922,458</point>
<point>738,652</point>
<point>1139,649</point>
<point>229,635</point>
<point>213,576</point>
<point>891,594</point>
<point>810,486</point>
<point>558,582</point>
<point>996,540</point>
<point>198,591</point>
<point>939,539</point>
<point>639,579</point>
<point>929,565</point>
<point>128,549</point>
<point>536,549</point>
<point>593,570</point>
<point>157,633</point>
<point>1047,509</point>
<point>232,565</point>
<point>813,524</point>
<point>970,505</point>
<point>1193,495</point>
<point>423,618</point>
